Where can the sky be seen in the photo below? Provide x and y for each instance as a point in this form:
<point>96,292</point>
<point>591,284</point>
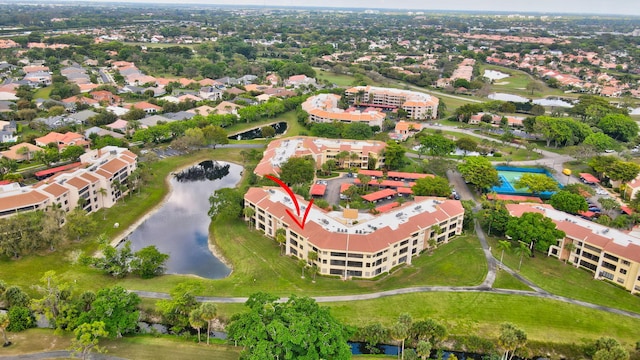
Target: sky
<point>623,7</point>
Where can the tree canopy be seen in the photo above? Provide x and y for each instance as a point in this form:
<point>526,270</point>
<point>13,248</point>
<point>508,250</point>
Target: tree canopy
<point>537,183</point>
<point>536,228</point>
<point>437,145</point>
<point>478,171</point>
<point>432,186</point>
<point>295,329</point>
<point>568,202</point>
<point>297,170</point>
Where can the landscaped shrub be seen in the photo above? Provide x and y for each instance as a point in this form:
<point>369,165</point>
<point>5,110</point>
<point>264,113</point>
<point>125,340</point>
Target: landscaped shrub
<point>20,318</point>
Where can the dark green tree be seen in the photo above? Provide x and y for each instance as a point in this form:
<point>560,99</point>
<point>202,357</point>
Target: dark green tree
<point>534,228</point>
<point>432,186</point>
<point>297,170</point>
<point>295,329</point>
<point>148,262</point>
<point>568,202</point>
<point>394,155</point>
<point>225,203</point>
<point>116,308</point>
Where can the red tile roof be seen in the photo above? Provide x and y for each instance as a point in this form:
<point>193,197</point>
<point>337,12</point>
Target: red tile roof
<point>378,195</point>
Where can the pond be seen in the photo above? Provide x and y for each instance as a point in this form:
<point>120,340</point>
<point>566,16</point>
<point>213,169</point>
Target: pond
<point>508,97</point>
<point>495,75</point>
<point>180,227</point>
<point>358,348</point>
<point>256,133</point>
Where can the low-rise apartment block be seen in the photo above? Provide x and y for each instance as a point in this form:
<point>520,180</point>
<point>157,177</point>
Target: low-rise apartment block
<point>609,253</point>
<point>418,105</point>
<point>324,108</point>
<point>93,187</point>
<point>361,152</point>
<point>350,243</point>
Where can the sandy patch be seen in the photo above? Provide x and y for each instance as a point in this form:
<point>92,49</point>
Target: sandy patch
<point>501,83</point>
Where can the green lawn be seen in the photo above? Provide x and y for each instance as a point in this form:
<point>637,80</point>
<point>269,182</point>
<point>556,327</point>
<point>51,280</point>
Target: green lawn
<point>481,314</point>
<point>565,280</point>
<point>140,347</point>
<point>258,266</point>
<point>343,80</point>
<point>517,83</point>
<point>504,280</point>
<point>43,93</point>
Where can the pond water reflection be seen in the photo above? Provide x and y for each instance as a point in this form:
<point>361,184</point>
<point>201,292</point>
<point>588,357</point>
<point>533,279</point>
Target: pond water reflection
<point>180,227</point>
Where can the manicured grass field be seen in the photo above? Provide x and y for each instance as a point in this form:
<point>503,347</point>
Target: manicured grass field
<point>554,276</point>
<point>517,83</point>
<point>258,266</point>
<point>342,80</point>
<point>140,347</point>
<point>43,93</point>
<point>482,313</point>
<point>504,280</point>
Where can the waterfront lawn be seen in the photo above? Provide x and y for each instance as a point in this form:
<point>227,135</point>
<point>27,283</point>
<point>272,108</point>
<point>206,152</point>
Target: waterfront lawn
<point>563,279</point>
<point>517,82</point>
<point>258,266</point>
<point>504,280</point>
<point>482,313</point>
<point>293,126</point>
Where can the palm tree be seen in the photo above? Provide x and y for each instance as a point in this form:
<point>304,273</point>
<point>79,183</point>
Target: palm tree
<point>313,257</point>
<point>400,330</point>
<point>103,192</point>
<point>248,215</point>
<point>196,321</point>
<point>302,264</point>
<point>423,349</point>
<point>521,251</point>
<point>569,246</point>
<point>281,238</point>
<point>209,311</point>
<point>503,245</point>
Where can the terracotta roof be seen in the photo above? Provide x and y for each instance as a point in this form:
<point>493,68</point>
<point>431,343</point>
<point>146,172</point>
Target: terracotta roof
<point>318,190</point>
<point>55,189</point>
<point>77,183</point>
<point>113,165</point>
<point>378,195</point>
<point>21,200</point>
<point>367,243</point>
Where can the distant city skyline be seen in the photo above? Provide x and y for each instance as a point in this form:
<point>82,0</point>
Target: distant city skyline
<point>617,7</point>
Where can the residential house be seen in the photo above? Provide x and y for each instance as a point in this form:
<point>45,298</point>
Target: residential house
<point>211,93</point>
<point>272,79</point>
<point>62,140</point>
<point>298,80</point>
<point>102,132</point>
<point>21,152</point>
<point>38,78</point>
<point>106,97</point>
<point>147,107</point>
<point>6,106</point>
<point>204,110</point>
<point>8,131</point>
<point>226,107</point>
<point>119,125</point>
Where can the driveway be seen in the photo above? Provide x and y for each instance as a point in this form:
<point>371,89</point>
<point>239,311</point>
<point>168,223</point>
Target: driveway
<point>333,188</point>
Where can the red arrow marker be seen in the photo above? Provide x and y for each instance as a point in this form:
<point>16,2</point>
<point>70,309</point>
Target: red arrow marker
<point>295,202</point>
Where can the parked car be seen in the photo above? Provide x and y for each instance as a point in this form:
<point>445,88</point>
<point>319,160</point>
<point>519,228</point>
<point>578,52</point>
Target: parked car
<point>594,209</point>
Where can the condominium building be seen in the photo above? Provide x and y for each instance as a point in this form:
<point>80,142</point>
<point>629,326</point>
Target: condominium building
<point>361,152</point>
<point>609,253</point>
<point>417,105</point>
<point>324,108</point>
<point>93,187</point>
<point>350,243</point>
